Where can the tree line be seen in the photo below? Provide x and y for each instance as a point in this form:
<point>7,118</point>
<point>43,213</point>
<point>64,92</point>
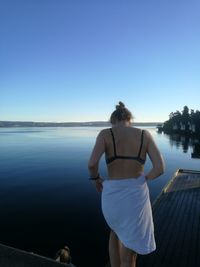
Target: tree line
<point>187,121</point>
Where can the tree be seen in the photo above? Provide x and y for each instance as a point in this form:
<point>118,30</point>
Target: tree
<point>185,118</point>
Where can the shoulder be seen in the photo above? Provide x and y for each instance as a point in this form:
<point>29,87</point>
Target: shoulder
<point>104,132</point>
<point>149,138</point>
<point>102,135</point>
<point>146,134</point>
<point>139,131</point>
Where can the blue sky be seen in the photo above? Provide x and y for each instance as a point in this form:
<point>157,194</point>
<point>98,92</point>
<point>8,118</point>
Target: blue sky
<point>73,60</point>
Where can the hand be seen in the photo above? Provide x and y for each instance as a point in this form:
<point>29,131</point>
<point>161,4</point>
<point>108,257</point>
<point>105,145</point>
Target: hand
<point>99,185</point>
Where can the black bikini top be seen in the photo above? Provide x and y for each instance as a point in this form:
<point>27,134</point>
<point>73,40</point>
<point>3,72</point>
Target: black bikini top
<point>138,158</point>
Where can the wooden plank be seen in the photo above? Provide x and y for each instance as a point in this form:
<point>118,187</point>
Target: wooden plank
<point>197,226</point>
<point>166,238</point>
<point>191,250</point>
<point>178,249</point>
<point>183,180</point>
<point>11,257</point>
<point>176,215</point>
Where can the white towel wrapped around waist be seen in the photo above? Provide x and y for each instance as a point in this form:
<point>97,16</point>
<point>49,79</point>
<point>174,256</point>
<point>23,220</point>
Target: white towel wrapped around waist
<point>127,210</point>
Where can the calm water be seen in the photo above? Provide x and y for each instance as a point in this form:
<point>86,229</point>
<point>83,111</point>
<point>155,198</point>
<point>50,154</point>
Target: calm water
<point>46,199</point>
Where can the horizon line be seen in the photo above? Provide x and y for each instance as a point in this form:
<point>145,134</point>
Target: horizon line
<point>102,121</point>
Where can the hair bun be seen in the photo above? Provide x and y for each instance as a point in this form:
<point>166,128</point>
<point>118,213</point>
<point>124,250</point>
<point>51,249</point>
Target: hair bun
<point>121,113</point>
<point>120,105</point>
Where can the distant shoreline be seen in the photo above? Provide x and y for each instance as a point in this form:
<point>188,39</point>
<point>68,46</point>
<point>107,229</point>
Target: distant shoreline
<point>4,124</point>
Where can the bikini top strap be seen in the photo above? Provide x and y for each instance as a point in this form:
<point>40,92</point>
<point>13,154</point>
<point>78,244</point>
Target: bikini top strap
<point>142,137</point>
<point>114,145</point>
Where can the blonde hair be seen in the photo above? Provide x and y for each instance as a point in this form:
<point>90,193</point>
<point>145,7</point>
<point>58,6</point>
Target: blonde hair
<point>121,113</point>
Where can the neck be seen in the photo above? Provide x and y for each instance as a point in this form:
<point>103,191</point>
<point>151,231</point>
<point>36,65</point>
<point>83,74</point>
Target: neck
<point>121,124</point>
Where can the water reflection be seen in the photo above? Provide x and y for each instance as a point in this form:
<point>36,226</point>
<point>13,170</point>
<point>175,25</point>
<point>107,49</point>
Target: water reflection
<point>196,150</point>
<point>186,143</point>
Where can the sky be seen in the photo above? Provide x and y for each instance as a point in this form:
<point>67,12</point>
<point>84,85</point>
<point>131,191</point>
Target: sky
<point>73,60</point>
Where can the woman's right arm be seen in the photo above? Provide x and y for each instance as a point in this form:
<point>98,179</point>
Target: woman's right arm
<point>156,158</point>
<point>93,164</point>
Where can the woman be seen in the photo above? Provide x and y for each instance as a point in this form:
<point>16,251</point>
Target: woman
<point>125,196</point>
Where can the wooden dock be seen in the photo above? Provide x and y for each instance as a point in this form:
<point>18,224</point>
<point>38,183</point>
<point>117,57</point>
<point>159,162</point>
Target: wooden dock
<point>12,257</point>
<point>176,214</point>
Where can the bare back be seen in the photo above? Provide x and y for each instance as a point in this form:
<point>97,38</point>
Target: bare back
<point>128,143</point>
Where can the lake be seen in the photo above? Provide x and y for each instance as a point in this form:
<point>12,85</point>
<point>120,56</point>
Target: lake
<point>46,199</point>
